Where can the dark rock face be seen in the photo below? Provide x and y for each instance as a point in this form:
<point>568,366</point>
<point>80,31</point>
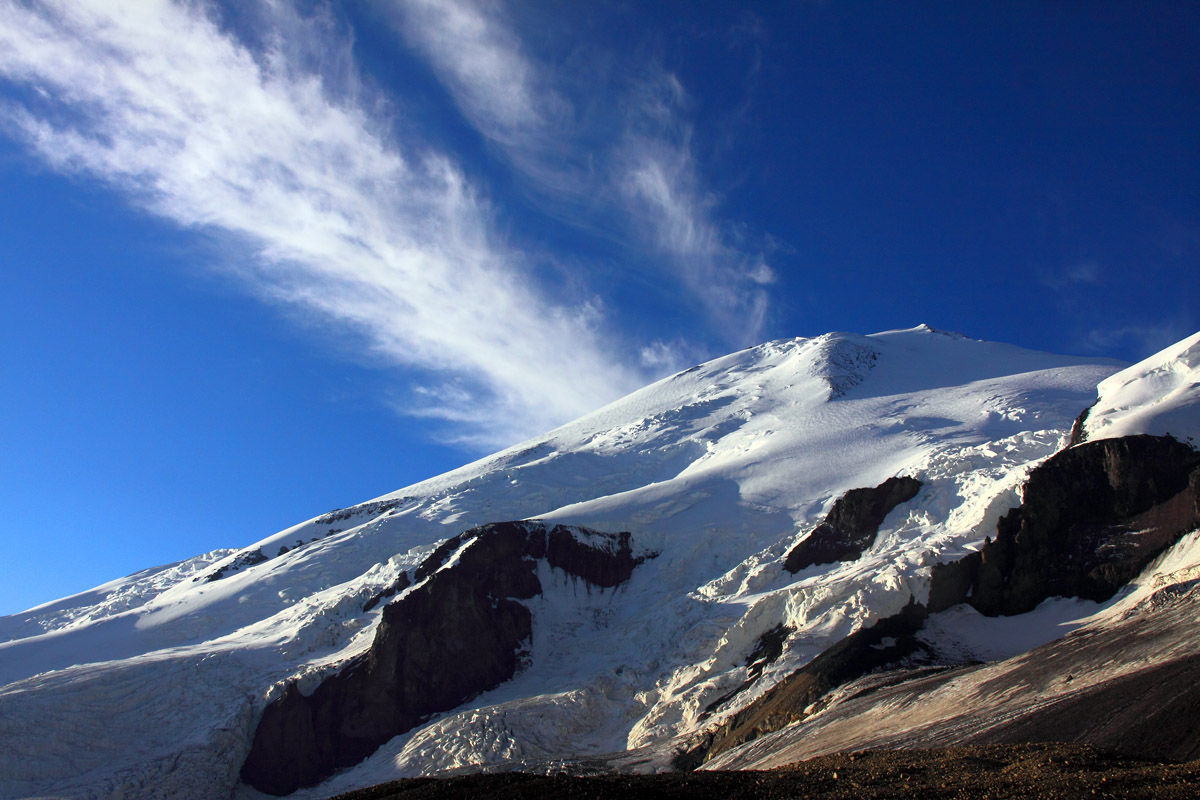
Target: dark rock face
<point>401,583</point>
<point>246,558</point>
<point>1093,516</point>
<point>458,634</point>
<point>851,525</point>
<point>1078,432</point>
<point>588,561</point>
<point>767,649</point>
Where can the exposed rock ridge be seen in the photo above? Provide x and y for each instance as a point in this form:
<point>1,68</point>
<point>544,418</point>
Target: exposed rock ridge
<point>767,650</point>
<point>457,632</point>
<point>246,558</point>
<point>1079,432</point>
<point>252,556</point>
<point>372,509</point>
<point>851,525</point>
<point>883,644</point>
<point>1092,517</point>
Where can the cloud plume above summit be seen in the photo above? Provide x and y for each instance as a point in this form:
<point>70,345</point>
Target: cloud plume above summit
<point>259,132</point>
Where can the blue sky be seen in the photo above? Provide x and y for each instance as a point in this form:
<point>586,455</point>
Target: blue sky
<point>262,263</point>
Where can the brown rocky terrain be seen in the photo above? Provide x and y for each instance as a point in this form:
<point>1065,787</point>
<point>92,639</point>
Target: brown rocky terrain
<point>1092,518</point>
<point>1047,771</point>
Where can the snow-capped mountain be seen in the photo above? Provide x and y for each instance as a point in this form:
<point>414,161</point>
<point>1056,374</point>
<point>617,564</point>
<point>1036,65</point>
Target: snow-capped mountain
<point>643,605</point>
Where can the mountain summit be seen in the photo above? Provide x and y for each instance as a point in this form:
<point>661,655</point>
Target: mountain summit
<point>667,582</point>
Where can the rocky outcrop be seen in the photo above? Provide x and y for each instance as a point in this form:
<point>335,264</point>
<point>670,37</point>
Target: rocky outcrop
<point>1092,517</point>
<point>1079,433</point>
<point>399,585</point>
<point>246,558</point>
<point>366,510</point>
<point>851,525</point>
<point>461,630</point>
<point>1130,684</point>
<point>767,650</point>
<point>885,643</point>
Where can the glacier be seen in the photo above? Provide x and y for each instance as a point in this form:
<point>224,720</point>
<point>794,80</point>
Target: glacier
<point>152,685</point>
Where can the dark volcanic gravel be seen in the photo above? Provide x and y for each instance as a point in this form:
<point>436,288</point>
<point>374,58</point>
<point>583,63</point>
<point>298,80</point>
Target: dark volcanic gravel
<point>991,771</point>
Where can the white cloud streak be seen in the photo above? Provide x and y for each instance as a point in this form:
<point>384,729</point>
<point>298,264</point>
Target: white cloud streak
<point>1084,273</point>
<point>481,61</point>
<point>505,95</point>
<point>643,163</point>
<point>390,240</point>
<point>665,196</point>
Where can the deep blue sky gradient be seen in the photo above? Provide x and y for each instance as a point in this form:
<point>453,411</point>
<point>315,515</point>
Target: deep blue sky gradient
<point>1022,172</point>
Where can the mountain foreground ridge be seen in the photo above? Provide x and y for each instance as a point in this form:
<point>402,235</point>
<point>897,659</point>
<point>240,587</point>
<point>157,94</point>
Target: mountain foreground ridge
<point>695,492</point>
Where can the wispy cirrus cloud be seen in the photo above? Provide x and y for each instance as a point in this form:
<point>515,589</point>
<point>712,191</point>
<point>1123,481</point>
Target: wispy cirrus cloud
<point>389,239</point>
<point>668,202</point>
<point>635,161</point>
<point>1082,273</point>
<point>482,62</point>
<point>507,96</point>
<point>1144,338</point>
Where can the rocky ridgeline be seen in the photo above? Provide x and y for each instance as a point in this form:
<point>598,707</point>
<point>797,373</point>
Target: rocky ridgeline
<point>460,631</point>
<point>1092,518</point>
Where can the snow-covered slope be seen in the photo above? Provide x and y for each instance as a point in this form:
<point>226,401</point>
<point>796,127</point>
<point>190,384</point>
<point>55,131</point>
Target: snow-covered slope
<point>152,685</point>
<point>1123,500</point>
<point>1158,396</point>
<point>1124,678</point>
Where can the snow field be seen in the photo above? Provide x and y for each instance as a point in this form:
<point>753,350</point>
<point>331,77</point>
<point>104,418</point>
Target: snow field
<point>1159,396</point>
